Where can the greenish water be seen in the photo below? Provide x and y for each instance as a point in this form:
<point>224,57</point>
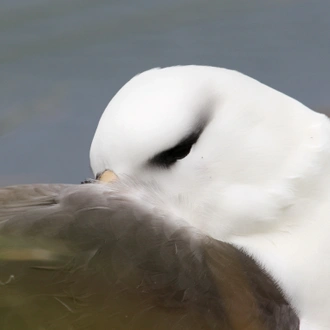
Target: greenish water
<point>61,62</point>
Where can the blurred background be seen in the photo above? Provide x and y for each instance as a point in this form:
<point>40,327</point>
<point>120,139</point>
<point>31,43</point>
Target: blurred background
<point>61,61</point>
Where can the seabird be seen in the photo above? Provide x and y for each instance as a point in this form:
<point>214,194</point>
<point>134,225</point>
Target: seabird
<point>205,159</point>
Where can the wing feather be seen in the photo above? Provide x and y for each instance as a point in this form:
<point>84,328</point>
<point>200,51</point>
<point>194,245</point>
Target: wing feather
<point>92,257</point>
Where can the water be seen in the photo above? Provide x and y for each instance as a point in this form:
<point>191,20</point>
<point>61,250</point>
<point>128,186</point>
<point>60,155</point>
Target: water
<point>61,62</point>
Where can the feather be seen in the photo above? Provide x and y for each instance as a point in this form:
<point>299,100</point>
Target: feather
<point>93,257</point>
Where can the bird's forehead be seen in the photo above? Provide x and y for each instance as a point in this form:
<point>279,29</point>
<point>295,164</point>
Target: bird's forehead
<point>163,114</point>
<point>147,119</point>
<point>170,98</point>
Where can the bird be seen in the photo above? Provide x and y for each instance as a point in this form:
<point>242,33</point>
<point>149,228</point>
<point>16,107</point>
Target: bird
<point>200,159</point>
<point>245,164</point>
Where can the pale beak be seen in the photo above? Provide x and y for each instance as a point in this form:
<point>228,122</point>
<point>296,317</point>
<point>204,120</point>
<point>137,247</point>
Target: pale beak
<point>107,176</point>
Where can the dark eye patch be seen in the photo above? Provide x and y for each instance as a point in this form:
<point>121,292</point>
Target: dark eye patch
<point>181,150</point>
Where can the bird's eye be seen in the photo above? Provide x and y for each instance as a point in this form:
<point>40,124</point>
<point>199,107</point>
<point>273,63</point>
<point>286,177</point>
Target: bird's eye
<point>180,151</point>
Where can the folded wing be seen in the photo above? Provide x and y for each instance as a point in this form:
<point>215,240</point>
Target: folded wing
<point>91,257</point>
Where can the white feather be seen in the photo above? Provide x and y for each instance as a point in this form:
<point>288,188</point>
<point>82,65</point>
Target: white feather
<point>258,176</point>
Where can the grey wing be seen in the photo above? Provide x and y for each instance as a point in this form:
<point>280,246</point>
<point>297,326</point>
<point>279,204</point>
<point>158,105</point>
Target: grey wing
<point>89,257</point>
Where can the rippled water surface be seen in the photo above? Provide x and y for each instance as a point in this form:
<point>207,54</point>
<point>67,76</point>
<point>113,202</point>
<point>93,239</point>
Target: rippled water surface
<point>61,62</point>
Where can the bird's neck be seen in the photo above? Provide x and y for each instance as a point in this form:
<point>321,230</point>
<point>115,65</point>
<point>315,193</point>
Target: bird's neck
<point>297,255</point>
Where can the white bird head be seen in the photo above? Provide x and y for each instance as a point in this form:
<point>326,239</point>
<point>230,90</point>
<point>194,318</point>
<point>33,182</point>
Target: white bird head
<point>230,148</point>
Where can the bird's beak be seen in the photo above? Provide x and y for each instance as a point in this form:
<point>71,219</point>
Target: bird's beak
<point>107,176</point>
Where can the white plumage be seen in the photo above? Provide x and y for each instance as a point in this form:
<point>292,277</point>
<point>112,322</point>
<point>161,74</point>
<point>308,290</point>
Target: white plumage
<point>257,177</point>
